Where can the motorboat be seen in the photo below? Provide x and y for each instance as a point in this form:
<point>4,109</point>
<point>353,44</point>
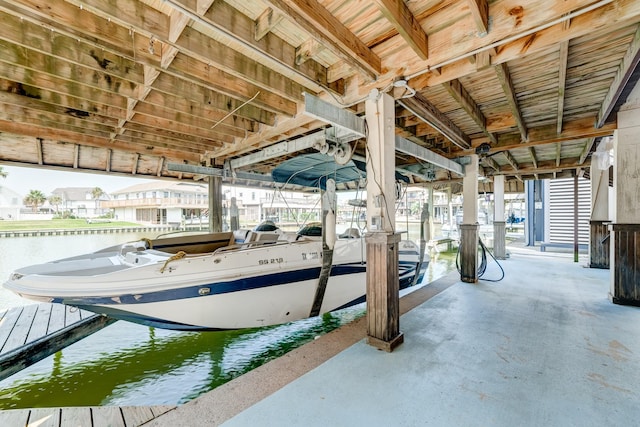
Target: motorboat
<point>227,280</point>
<point>211,281</point>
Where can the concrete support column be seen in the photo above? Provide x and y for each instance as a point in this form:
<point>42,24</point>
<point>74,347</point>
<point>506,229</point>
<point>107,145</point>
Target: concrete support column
<point>215,204</point>
<point>599,241</point>
<point>625,230</point>
<point>499,232</point>
<point>383,299</point>
<point>469,227</point>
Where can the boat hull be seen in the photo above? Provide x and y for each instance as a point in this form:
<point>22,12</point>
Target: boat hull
<point>239,287</point>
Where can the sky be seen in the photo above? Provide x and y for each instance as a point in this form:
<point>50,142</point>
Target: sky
<point>23,180</point>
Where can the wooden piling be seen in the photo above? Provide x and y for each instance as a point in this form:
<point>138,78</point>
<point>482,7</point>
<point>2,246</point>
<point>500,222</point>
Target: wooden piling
<point>383,287</point>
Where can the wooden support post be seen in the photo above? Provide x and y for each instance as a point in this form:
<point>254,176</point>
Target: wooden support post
<point>499,232</point>
<point>599,241</point>
<point>215,204</point>
<point>469,227</point>
<point>625,236</point>
<point>383,299</point>
<point>383,287</point>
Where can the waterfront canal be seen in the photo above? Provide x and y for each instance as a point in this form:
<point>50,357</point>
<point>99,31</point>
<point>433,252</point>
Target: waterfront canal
<point>128,364</point>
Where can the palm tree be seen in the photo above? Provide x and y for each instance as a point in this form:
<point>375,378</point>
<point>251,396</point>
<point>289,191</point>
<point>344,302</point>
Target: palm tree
<point>96,193</point>
<point>34,199</point>
<point>55,200</point>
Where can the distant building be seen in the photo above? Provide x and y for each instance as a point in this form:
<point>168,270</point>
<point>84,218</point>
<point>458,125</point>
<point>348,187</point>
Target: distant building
<point>161,202</point>
<point>10,203</point>
<point>79,202</point>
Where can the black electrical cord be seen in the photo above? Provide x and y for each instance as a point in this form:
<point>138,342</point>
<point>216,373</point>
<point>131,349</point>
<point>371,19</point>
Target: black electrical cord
<point>482,268</point>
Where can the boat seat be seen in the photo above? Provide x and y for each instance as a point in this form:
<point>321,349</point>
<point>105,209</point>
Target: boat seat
<point>261,237</point>
<point>240,235</point>
<point>350,233</point>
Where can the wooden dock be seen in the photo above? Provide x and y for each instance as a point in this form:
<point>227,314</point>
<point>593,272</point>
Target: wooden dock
<point>90,416</point>
<point>29,334</point>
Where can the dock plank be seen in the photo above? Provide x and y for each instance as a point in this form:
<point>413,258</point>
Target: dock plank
<point>72,315</point>
<point>7,324</point>
<point>56,321</point>
<point>30,353</point>
<point>136,415</point>
<point>40,322</point>
<point>107,416</point>
<point>77,416</point>
<point>14,418</point>
<point>21,329</point>
<point>44,417</point>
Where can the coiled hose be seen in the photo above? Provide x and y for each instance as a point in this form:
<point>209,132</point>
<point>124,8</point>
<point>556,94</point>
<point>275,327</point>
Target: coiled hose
<point>482,268</point>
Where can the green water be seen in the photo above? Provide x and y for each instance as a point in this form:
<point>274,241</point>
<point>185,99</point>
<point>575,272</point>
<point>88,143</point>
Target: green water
<point>127,364</point>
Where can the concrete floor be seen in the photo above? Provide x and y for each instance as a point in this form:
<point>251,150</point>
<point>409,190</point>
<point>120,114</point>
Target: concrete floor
<point>543,347</point>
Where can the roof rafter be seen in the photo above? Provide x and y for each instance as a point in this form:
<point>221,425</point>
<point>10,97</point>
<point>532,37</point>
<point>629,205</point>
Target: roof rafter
<point>426,111</point>
<point>480,11</point>
<point>460,94</point>
<point>511,160</point>
<point>562,81</point>
<point>502,71</point>
<point>327,29</point>
<point>398,13</point>
<point>627,67</point>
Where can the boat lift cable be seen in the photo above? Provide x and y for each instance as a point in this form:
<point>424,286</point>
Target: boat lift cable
<point>482,268</point>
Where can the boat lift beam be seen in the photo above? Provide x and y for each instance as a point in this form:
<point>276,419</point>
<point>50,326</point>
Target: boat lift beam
<point>208,171</point>
<point>277,150</point>
<point>336,116</point>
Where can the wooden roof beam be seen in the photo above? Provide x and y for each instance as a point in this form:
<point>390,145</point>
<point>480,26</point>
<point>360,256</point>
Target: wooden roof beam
<point>586,150</point>
<point>562,81</point>
<point>397,12</point>
<point>480,12</point>
<point>502,71</point>
<point>534,159</point>
<point>265,23</point>
<point>328,30</point>
<point>426,111</point>
<point>511,160</point>
<point>492,163</point>
<point>627,67</point>
<point>462,97</point>
<point>558,153</point>
<point>573,130</point>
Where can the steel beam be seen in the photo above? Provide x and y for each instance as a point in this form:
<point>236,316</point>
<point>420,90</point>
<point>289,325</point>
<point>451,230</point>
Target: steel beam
<point>413,149</point>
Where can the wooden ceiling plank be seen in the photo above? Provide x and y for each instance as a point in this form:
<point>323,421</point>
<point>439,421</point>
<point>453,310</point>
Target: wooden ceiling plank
<point>24,33</point>
<point>171,85</point>
<point>502,71</point>
<point>623,74</point>
<point>480,12</point>
<point>34,130</point>
<point>397,12</point>
<point>41,99</point>
<point>76,155</point>
<point>542,135</point>
<point>562,81</point>
<point>181,107</point>
<point>462,97</point>
<point>621,12</point>
<point>328,30</point>
<point>426,111</point>
<point>271,52</point>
